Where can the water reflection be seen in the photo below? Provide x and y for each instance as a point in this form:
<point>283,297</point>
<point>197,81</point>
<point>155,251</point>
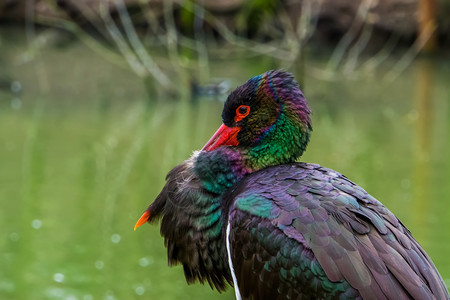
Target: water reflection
<point>422,198</point>
<point>79,171</point>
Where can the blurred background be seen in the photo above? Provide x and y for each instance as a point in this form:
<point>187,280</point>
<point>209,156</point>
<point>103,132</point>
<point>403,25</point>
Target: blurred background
<point>100,99</point>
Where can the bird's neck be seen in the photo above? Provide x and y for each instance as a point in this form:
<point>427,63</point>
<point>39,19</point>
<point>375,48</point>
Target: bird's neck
<point>218,170</point>
<point>280,144</point>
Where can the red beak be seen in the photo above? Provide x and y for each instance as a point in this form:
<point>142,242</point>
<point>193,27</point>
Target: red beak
<point>224,136</point>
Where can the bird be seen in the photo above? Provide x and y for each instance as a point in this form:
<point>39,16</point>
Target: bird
<point>244,211</point>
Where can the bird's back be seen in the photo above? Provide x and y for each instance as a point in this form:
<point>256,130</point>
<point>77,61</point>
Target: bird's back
<point>301,231</point>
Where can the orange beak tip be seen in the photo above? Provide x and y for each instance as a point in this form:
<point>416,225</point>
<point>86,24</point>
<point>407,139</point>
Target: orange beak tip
<point>142,220</point>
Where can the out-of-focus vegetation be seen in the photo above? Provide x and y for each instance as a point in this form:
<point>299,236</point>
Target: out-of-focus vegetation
<point>134,34</point>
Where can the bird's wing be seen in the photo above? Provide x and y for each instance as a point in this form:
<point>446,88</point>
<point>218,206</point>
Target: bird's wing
<point>309,230</point>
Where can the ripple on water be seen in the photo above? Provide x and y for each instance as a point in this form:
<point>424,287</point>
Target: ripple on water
<point>58,277</point>
<point>99,264</point>
<point>140,290</point>
<point>115,238</point>
<point>36,224</point>
<point>146,261</point>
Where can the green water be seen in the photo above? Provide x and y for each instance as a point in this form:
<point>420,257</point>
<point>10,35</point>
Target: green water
<point>84,149</point>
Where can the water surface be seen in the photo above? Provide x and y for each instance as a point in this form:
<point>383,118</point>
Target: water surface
<point>84,148</point>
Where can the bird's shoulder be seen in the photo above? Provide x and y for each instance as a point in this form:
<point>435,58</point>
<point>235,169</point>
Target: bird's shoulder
<point>306,187</point>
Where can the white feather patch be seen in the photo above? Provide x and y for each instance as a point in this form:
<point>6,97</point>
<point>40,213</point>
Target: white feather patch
<point>230,263</point>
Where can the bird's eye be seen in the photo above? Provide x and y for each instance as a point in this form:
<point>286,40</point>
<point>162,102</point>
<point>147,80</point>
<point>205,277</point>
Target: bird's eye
<point>241,112</point>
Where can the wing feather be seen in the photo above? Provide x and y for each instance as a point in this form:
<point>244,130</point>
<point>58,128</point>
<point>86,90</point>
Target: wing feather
<point>313,233</point>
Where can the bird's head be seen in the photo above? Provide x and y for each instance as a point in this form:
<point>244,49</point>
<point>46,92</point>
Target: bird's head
<point>268,117</point>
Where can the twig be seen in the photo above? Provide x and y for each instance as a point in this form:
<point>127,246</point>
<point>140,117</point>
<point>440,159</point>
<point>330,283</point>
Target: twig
<point>139,49</point>
<point>121,44</point>
<point>344,43</point>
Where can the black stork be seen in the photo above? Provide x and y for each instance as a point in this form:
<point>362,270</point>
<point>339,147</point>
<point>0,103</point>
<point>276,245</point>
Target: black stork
<point>243,211</point>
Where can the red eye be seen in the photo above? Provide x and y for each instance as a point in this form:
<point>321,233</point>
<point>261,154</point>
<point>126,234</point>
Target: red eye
<point>241,112</point>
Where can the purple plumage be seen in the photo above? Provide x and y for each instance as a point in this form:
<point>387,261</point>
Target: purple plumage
<point>330,238</point>
<point>243,212</point>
